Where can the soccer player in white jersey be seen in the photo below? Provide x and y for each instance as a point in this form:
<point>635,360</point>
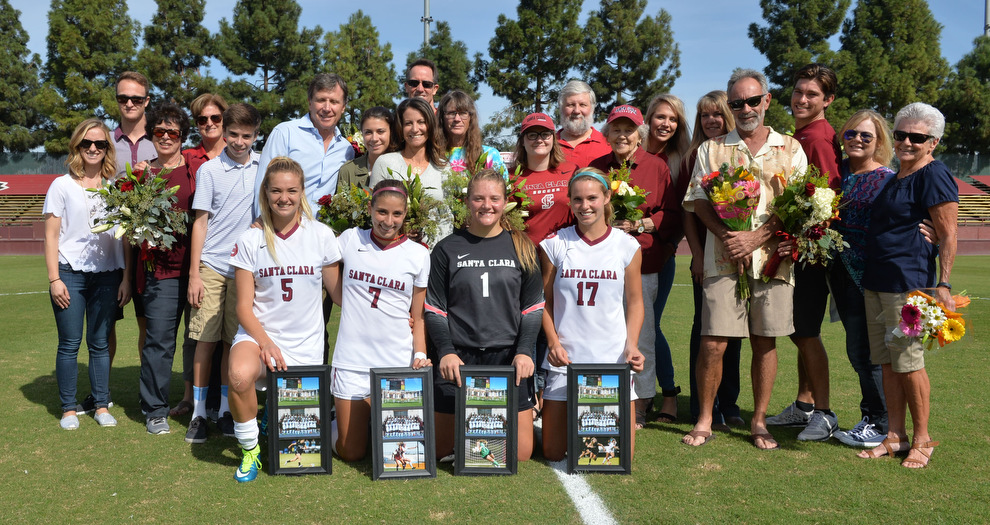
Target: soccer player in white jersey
<point>280,270</point>
<point>588,269</point>
<point>381,284</point>
<point>484,306</point>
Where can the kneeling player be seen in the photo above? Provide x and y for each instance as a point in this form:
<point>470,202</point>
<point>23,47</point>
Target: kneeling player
<point>280,270</point>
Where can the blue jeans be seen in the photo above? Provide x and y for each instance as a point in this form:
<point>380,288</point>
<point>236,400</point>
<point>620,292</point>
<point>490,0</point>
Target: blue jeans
<point>93,300</point>
<point>726,399</point>
<point>164,302</point>
<point>852,311</point>
<point>665,365</point>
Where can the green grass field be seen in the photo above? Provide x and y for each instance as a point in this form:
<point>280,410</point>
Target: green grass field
<point>299,402</point>
<point>307,460</point>
<point>97,475</point>
<point>475,402</point>
<point>397,404</point>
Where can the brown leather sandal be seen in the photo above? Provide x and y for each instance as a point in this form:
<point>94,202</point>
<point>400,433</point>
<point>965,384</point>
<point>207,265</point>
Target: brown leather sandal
<point>928,457</point>
<point>890,451</point>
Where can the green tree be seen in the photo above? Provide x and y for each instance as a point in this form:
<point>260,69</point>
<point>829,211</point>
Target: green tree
<point>176,46</point>
<point>796,34</point>
<point>89,45</point>
<point>529,58</point>
<point>965,101</point>
<point>263,38</point>
<point>18,84</point>
<point>891,55</point>
<point>451,57</point>
<point>630,58</point>
<point>354,53</point>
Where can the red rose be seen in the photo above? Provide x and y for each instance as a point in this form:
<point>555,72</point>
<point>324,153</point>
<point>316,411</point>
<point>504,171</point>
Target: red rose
<point>127,186</point>
<point>809,189</point>
<point>325,200</point>
<point>815,233</point>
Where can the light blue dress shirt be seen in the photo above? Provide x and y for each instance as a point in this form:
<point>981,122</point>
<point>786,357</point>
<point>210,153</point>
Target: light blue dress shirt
<point>300,140</point>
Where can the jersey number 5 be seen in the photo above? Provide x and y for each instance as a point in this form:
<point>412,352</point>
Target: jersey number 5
<point>592,288</point>
<point>287,289</point>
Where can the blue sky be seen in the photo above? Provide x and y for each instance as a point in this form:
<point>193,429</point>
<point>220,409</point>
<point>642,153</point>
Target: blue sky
<point>711,34</point>
<point>494,383</point>
<point>608,380</point>
<point>307,383</point>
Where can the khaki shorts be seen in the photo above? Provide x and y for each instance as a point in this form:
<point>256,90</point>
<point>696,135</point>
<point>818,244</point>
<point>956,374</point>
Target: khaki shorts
<point>217,315</point>
<point>883,313</point>
<point>768,312</point>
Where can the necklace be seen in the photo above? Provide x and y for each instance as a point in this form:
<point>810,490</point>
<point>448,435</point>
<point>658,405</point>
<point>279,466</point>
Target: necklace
<point>164,166</point>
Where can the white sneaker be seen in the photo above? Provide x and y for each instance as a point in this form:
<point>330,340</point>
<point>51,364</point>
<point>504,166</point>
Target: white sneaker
<point>863,435</point>
<point>792,416</point>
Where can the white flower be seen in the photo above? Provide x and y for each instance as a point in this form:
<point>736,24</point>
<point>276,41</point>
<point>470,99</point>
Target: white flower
<point>624,189</point>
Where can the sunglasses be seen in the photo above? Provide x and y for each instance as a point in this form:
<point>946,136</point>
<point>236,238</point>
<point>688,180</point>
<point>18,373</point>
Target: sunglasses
<point>101,145</point>
<point>122,99</point>
<point>865,136</point>
<point>751,102</point>
<point>916,138</point>
<point>161,132</point>
<point>415,84</point>
<point>539,135</point>
<point>203,119</point>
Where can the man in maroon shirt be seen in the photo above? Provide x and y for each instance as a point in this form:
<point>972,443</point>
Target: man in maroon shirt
<point>580,142</point>
<point>814,90</point>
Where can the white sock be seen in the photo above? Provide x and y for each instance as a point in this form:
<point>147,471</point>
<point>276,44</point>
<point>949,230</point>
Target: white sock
<point>224,403</point>
<point>199,401</point>
<point>247,433</point>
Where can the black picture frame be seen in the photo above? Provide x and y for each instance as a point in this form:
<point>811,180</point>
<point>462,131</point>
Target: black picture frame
<point>485,419</point>
<point>299,421</point>
<point>402,423</point>
<point>598,415</point>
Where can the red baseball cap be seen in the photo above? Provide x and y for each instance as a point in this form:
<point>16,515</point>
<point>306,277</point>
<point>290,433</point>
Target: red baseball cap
<point>537,119</point>
<point>626,111</point>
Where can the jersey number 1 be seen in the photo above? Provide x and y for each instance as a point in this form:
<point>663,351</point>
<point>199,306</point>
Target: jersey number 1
<point>592,288</point>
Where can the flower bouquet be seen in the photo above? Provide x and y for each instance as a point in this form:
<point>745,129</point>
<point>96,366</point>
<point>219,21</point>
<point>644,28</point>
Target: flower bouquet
<point>625,196</point>
<point>806,207</point>
<point>422,210</point>
<point>345,209</point>
<point>735,194</point>
<point>454,188</point>
<point>925,318</point>
<point>356,138</point>
<point>143,209</point>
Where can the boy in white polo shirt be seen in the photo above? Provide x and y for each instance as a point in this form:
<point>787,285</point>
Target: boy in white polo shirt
<point>222,204</point>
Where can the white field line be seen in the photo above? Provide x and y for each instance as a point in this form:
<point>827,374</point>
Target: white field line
<point>591,508</point>
<point>20,293</point>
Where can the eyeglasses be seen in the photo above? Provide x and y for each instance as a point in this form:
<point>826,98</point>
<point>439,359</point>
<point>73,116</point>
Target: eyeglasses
<point>161,132</point>
<point>203,119</point>
<point>752,102</point>
<point>122,99</point>
<point>449,115</point>
<point>100,144</point>
<point>865,136</point>
<point>415,83</point>
<point>533,136</point>
<point>916,138</point>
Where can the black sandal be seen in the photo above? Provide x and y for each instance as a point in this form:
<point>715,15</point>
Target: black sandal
<point>664,417</point>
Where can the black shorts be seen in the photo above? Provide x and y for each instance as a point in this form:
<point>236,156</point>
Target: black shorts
<point>810,299</point>
<point>445,392</point>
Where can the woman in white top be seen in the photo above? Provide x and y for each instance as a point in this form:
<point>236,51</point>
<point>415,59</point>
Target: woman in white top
<point>419,148</point>
<point>280,269</point>
<point>381,285</point>
<point>84,268</point>
<point>588,270</point>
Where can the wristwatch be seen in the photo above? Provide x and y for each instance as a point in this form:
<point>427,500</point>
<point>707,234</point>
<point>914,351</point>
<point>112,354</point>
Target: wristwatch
<point>642,226</point>
<point>944,284</point>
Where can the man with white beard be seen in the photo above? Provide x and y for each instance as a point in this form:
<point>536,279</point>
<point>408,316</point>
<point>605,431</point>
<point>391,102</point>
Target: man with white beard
<point>772,159</point>
<point>581,142</point>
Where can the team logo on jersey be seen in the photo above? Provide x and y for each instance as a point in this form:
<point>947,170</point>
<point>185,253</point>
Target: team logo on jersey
<point>463,255</point>
<point>234,251</point>
<point>547,201</point>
